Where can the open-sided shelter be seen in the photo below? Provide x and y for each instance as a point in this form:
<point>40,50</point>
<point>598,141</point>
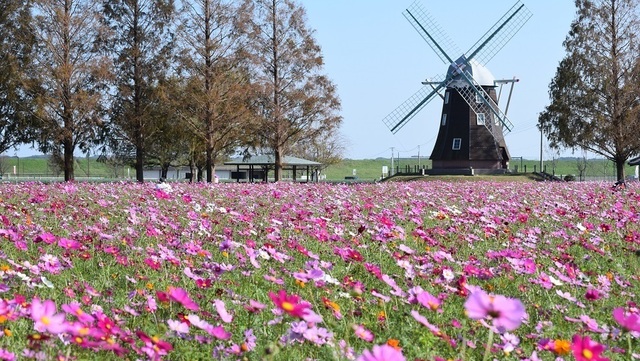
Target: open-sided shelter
<point>256,168</point>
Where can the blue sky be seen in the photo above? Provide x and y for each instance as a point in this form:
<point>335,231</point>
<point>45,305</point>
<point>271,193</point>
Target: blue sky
<point>377,60</point>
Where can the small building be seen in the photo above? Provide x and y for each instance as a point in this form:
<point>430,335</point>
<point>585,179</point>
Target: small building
<point>256,168</point>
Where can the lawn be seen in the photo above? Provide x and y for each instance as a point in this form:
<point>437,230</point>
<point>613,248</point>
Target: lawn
<point>389,271</point>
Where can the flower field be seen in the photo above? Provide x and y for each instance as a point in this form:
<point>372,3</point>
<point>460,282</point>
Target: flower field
<point>389,271</point>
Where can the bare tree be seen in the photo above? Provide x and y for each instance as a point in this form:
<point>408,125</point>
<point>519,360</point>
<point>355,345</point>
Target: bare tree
<point>67,81</point>
<point>216,108</point>
<point>296,103</point>
<point>581,165</point>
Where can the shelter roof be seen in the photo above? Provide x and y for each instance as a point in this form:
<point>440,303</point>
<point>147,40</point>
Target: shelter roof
<point>634,161</point>
<point>269,159</point>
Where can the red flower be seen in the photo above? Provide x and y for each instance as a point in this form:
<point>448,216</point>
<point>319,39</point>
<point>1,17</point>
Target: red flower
<point>585,349</point>
<point>290,303</point>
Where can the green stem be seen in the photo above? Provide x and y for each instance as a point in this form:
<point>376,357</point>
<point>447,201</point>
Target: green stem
<point>629,346</point>
<point>487,349</point>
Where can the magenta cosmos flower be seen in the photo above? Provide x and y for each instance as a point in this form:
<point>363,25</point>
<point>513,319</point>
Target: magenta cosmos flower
<point>381,353</point>
<point>584,349</point>
<point>45,317</point>
<point>290,303</point>
<point>630,322</point>
<point>506,313</point>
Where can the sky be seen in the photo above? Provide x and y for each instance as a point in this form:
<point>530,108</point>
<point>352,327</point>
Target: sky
<point>377,60</point>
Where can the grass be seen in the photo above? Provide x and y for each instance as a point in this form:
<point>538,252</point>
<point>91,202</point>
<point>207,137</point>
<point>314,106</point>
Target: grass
<point>366,169</point>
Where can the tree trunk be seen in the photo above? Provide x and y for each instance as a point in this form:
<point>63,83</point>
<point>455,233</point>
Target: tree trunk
<point>139,160</point>
<point>68,160</point>
<point>209,164</point>
<point>277,172</point>
<point>164,170</point>
<point>199,177</point>
<point>620,165</point>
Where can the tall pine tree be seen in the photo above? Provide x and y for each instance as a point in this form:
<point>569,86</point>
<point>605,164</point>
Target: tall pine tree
<point>595,94</point>
<point>16,45</point>
<point>141,42</point>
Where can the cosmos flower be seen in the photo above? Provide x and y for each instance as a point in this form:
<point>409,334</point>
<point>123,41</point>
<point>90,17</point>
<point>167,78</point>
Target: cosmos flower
<point>630,322</point>
<point>427,300</point>
<point>363,333</point>
<point>45,317</point>
<point>584,349</point>
<point>180,295</point>
<point>506,313</point>
<point>290,303</point>
<point>381,353</point>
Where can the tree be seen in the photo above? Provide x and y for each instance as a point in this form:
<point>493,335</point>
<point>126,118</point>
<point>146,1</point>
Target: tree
<point>212,35</point>
<point>595,94</point>
<point>16,44</point>
<point>67,80</point>
<point>167,135</point>
<point>581,165</point>
<point>296,103</point>
<point>327,150</point>
<point>141,43</point>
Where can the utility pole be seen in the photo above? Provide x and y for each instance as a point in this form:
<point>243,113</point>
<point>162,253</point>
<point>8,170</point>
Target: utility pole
<point>541,163</point>
<point>391,173</point>
<point>418,156</point>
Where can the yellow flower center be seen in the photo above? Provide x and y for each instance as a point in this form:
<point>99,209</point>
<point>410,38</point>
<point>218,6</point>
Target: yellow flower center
<point>587,354</point>
<point>79,312</point>
<point>78,339</point>
<point>433,306</point>
<point>45,320</point>
<point>287,306</point>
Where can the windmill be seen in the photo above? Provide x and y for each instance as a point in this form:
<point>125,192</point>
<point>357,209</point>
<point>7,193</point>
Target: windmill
<point>472,126</point>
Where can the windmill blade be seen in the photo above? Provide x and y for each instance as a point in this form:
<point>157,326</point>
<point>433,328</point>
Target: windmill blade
<point>431,32</point>
<point>407,110</point>
<point>499,34</point>
<point>473,92</point>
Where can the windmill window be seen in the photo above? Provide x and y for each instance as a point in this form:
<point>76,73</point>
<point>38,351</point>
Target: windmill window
<point>444,119</point>
<point>457,142</point>
<point>446,97</point>
<point>478,97</point>
<point>480,119</point>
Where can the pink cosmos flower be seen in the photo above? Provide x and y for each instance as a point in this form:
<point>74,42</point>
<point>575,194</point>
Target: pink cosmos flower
<point>423,320</point>
<point>153,346</point>
<point>584,349</point>
<point>178,326</point>
<point>630,322</point>
<point>363,333</point>
<point>73,308</point>
<point>290,303</point>
<point>506,313</point>
<point>67,243</point>
<point>45,317</point>
<point>427,300</point>
<point>381,353</point>
<point>222,311</point>
<point>179,295</point>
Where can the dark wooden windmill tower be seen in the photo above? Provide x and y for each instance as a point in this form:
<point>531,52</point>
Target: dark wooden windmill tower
<point>472,126</point>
